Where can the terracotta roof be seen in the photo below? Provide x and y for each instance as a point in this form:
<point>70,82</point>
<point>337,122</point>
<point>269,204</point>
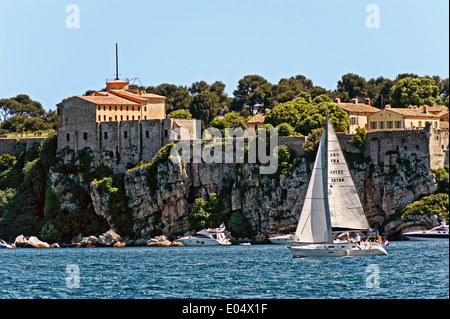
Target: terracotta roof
<point>107,99</point>
<point>142,97</point>
<point>357,108</point>
<point>443,125</point>
<point>412,112</point>
<point>258,118</point>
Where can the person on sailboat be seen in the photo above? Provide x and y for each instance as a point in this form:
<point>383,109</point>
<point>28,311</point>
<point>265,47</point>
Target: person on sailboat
<point>358,238</point>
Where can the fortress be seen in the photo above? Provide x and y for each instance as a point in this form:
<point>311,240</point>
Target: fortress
<point>121,126</point>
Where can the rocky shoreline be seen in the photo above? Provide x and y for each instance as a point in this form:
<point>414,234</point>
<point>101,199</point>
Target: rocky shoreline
<point>108,239</point>
<point>112,239</point>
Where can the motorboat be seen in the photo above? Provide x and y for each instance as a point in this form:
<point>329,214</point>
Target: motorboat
<point>207,237</point>
<point>332,207</point>
<point>436,233</point>
<point>4,244</point>
<point>281,239</point>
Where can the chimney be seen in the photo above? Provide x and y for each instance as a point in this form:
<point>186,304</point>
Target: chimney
<point>425,109</point>
<point>337,100</point>
<point>387,106</point>
<point>355,101</point>
<point>410,107</point>
<point>367,101</point>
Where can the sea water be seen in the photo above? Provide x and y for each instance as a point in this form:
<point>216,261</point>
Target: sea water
<point>412,269</point>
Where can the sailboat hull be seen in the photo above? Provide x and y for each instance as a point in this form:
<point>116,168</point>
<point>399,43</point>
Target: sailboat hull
<point>337,250</point>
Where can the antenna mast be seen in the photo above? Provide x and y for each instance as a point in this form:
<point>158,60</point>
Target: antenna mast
<point>117,63</point>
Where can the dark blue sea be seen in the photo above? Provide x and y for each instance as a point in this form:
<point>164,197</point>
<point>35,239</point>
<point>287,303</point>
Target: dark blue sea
<point>411,270</point>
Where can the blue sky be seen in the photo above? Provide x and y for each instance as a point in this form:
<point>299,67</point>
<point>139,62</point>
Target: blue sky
<point>181,41</point>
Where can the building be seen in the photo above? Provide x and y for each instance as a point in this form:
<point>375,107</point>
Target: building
<point>402,118</point>
<point>357,113</point>
<point>119,103</point>
<point>256,122</point>
<point>120,126</point>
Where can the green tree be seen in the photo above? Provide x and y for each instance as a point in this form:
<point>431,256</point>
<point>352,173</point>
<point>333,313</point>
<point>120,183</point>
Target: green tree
<point>177,97</point>
<point>250,93</point>
<point>7,161</point>
<point>285,129</point>
<point>359,138</point>
<point>414,91</point>
<point>204,107</point>
<point>442,179</point>
<point>353,84</point>
<point>212,212</point>
<point>180,114</point>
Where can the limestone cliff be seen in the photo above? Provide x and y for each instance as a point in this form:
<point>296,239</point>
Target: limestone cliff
<point>386,182</point>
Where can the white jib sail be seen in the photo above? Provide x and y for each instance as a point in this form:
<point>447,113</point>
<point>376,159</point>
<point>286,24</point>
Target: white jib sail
<point>346,211</point>
<point>314,223</point>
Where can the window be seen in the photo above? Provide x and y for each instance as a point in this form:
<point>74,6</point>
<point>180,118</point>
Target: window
<point>121,108</point>
<point>104,117</point>
<point>110,108</point>
<point>132,108</point>
<point>147,134</point>
<point>381,125</point>
<point>159,100</point>
<point>128,117</point>
<point>104,107</point>
<point>420,124</point>
<point>390,124</point>
<point>127,108</point>
<point>125,134</point>
<point>68,137</point>
<point>98,108</point>
<point>139,117</point>
<point>150,101</point>
<point>150,109</point>
<point>145,109</point>
<point>373,125</point>
<point>105,135</point>
<point>85,136</point>
<point>145,117</point>
<point>121,117</point>
<point>166,133</point>
<point>132,117</point>
<point>99,118</point>
<point>115,118</point>
<point>398,124</point>
<point>115,108</point>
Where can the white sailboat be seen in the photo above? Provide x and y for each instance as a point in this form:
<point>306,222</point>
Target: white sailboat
<point>331,206</point>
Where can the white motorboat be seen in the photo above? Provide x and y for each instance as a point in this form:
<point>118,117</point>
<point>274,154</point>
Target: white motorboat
<point>436,233</point>
<point>331,206</point>
<point>4,244</point>
<point>282,239</point>
<point>207,237</point>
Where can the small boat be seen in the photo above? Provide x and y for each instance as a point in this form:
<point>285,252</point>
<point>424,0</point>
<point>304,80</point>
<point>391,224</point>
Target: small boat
<point>4,244</point>
<point>207,237</point>
<point>436,233</point>
<point>332,206</point>
<point>281,239</point>
<point>245,244</point>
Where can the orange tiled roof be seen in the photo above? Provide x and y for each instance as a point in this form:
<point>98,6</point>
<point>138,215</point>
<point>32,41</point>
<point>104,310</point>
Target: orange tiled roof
<point>105,98</point>
<point>413,112</point>
<point>258,118</point>
<point>357,108</point>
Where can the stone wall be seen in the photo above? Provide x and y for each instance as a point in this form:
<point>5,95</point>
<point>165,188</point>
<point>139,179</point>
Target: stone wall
<point>15,146</point>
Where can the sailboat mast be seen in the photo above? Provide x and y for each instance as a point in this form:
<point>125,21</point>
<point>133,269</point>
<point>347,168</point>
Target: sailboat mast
<point>325,185</point>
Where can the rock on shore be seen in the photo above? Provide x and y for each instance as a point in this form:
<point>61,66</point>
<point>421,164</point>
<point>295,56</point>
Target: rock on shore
<point>31,242</point>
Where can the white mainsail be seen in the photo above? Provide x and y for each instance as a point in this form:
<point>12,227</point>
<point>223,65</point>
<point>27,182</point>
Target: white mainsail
<point>346,211</point>
<point>314,224</point>
<point>331,202</point>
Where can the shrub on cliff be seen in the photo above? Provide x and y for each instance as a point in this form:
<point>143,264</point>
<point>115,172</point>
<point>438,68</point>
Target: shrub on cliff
<point>437,204</point>
<point>212,212</point>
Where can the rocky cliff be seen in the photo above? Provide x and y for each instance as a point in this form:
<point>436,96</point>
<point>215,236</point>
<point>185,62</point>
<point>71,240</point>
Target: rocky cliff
<point>388,174</point>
